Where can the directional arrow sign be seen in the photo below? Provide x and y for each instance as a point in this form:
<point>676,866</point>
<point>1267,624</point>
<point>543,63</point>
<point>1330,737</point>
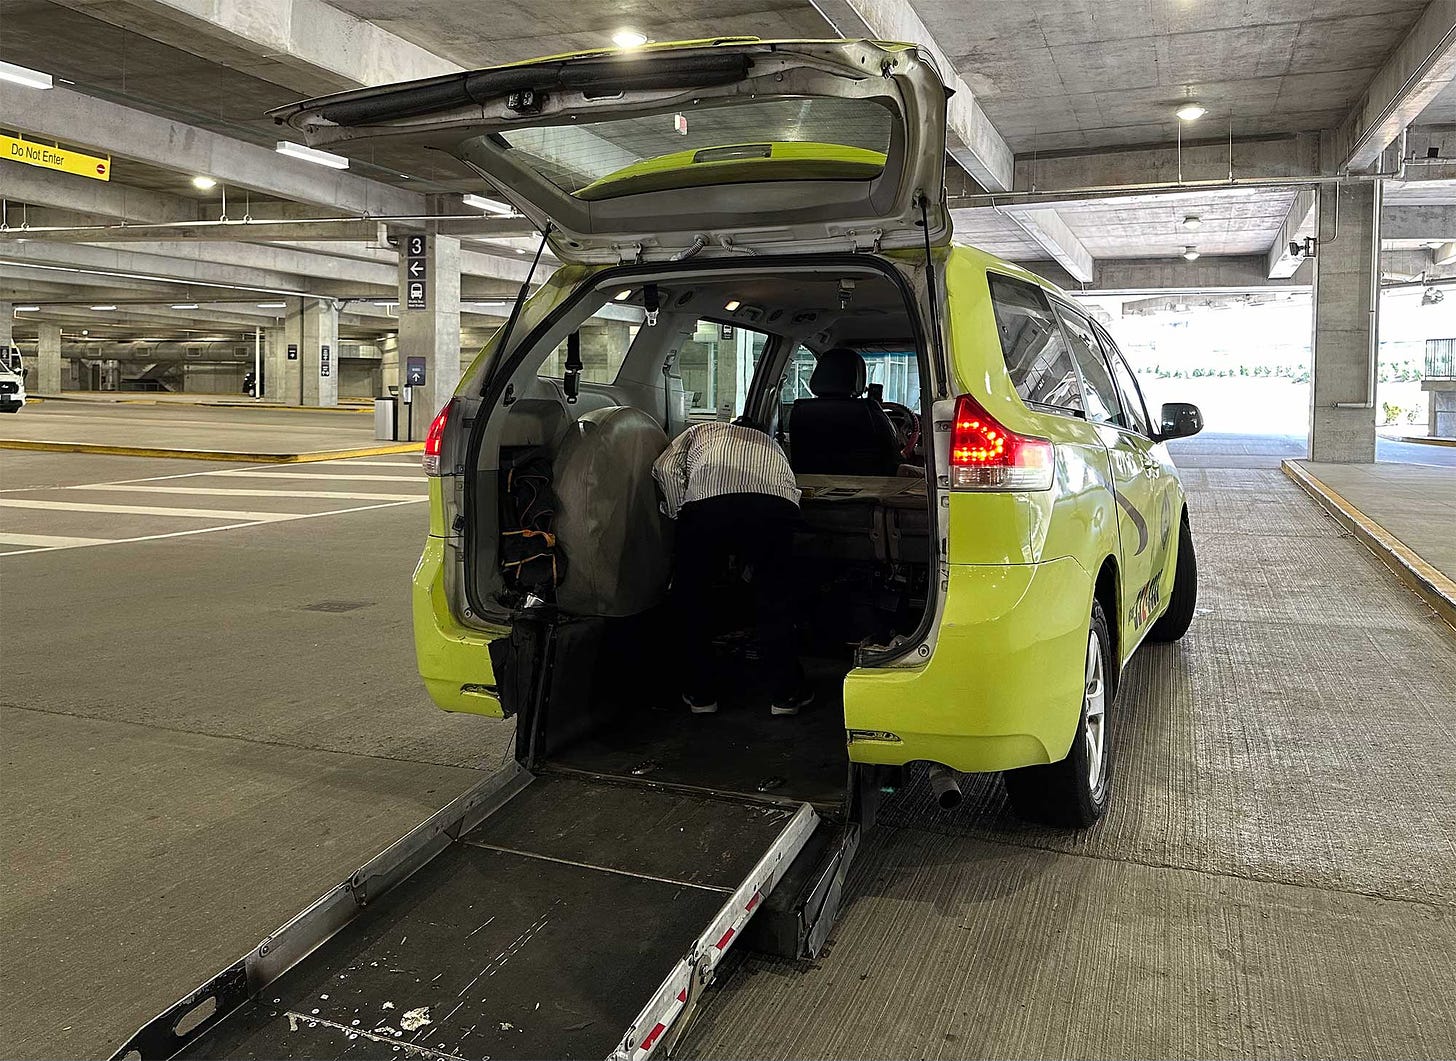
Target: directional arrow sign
<point>416,268</point>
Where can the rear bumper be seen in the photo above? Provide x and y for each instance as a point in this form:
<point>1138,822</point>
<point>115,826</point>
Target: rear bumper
<point>1002,688</point>
<point>453,660</point>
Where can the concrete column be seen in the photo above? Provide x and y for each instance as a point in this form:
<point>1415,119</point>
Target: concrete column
<point>7,323</point>
<point>288,385</point>
<point>319,352</point>
<point>433,332</point>
<point>275,364</point>
<point>1346,324</point>
<point>47,376</point>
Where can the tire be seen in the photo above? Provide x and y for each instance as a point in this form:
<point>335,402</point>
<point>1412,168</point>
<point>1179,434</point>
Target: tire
<point>1174,622</point>
<point>1071,793</point>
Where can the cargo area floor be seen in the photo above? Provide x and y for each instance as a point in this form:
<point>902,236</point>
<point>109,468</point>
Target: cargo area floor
<point>741,748</point>
<point>541,934</point>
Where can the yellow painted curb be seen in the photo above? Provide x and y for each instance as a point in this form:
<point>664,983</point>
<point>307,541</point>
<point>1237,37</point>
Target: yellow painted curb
<point>209,455</point>
<point>1435,588</point>
<point>1427,440</point>
<point>223,404</point>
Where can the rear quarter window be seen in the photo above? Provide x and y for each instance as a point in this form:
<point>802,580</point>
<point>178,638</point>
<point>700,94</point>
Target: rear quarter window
<point>1037,358</point>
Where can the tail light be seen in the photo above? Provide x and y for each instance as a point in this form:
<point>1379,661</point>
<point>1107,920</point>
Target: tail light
<point>986,456</point>
<point>435,439</point>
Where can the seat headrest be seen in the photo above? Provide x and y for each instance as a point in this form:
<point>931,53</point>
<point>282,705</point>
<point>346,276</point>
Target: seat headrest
<point>839,373</point>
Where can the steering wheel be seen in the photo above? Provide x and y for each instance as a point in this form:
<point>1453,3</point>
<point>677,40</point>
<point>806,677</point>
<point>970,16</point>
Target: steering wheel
<point>906,423</point>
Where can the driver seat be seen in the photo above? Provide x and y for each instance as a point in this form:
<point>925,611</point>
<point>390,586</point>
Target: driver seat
<point>839,431</point>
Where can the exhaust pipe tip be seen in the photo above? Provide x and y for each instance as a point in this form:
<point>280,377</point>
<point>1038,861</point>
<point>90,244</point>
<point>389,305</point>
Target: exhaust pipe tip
<point>944,786</point>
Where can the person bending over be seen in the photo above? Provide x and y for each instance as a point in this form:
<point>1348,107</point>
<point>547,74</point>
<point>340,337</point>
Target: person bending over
<point>732,493</point>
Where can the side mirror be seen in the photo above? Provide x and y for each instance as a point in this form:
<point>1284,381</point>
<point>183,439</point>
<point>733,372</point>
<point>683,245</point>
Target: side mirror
<point>1180,419</point>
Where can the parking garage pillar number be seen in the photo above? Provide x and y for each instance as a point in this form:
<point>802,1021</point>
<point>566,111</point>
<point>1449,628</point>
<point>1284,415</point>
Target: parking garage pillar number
<point>416,272</point>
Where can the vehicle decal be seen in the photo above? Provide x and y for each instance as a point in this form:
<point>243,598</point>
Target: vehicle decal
<point>1137,521</point>
<point>1145,605</point>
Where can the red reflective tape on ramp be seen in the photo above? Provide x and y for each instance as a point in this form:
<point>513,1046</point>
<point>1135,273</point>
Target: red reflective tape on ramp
<point>757,898</point>
<point>657,1030</point>
<point>726,937</point>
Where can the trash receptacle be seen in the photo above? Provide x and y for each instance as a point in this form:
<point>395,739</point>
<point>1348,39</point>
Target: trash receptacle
<point>386,422</point>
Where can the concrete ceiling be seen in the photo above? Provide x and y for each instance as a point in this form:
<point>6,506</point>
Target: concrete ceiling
<point>1056,75</point>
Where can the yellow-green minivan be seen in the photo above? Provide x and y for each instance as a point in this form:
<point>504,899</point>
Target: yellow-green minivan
<point>759,229</point>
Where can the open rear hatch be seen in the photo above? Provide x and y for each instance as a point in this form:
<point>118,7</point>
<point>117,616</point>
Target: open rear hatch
<point>710,147</point>
<point>537,916</point>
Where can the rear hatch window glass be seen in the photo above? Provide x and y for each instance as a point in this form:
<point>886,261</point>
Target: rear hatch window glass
<point>812,138</point>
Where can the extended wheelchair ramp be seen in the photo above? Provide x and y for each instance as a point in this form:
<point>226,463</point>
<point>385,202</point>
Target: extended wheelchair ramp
<point>551,916</point>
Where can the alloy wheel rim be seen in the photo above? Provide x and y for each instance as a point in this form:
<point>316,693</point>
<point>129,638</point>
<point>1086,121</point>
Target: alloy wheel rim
<point>1094,703</point>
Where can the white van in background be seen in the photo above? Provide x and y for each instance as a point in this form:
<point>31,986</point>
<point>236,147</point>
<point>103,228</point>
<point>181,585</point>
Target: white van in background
<point>12,380</point>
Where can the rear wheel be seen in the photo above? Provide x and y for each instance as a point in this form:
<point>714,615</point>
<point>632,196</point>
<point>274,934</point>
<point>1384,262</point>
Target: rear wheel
<point>1074,792</point>
<point>1175,621</point>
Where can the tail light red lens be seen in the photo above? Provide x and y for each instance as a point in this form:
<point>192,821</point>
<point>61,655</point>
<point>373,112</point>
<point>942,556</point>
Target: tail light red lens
<point>987,456</point>
<point>435,439</point>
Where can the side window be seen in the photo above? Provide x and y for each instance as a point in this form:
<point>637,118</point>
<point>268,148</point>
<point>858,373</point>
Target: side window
<point>716,365</point>
<point>604,346</point>
<point>1127,386</point>
<point>1101,397</point>
<point>1036,353</point>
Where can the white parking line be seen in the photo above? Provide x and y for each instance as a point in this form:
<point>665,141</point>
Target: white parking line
<point>224,527</point>
<point>48,541</point>
<point>420,478</point>
<point>371,463</point>
<point>219,491</point>
<point>143,510</point>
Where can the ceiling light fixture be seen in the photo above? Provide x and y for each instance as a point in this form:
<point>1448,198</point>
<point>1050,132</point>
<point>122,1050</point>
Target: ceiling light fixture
<point>272,305</point>
<point>490,206</point>
<point>1191,111</point>
<point>1192,221</point>
<point>103,307</point>
<point>185,305</point>
<point>731,306</point>
<point>1190,253</point>
<point>310,154</point>
<point>27,309</point>
<point>204,183</point>
<point>24,75</point>
<point>623,296</point>
<point>629,38</point>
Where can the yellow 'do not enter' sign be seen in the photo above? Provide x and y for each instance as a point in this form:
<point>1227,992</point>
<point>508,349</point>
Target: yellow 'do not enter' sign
<point>61,158</point>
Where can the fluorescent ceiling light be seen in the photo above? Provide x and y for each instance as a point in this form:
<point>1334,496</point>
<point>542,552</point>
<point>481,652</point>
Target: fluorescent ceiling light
<point>490,206</point>
<point>1193,221</point>
<point>731,306</point>
<point>272,305</point>
<point>629,38</point>
<point>309,154</point>
<point>185,305</point>
<point>23,75</point>
<point>1190,253</point>
<point>203,182</point>
<point>1191,111</point>
<point>103,307</point>
<point>27,309</point>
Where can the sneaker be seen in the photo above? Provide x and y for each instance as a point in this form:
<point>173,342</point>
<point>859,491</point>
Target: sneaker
<point>790,705</point>
<point>700,705</point>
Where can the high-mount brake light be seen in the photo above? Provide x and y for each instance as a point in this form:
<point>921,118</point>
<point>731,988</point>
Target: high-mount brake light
<point>984,455</point>
<point>435,439</point>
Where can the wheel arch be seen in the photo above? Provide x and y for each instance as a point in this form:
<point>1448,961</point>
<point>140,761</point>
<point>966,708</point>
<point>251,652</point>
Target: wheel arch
<point>1106,591</point>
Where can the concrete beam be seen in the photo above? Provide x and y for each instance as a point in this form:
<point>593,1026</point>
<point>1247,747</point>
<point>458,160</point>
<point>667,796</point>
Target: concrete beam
<point>971,139</point>
<point>1418,222</point>
<point>1301,222</point>
<point>252,231</point>
<point>1125,169</point>
<point>75,260</point>
<point>306,45</point>
<point>110,128</point>
<point>1421,66</point>
<point>66,191</point>
<point>1048,229</point>
<point>1149,275</point>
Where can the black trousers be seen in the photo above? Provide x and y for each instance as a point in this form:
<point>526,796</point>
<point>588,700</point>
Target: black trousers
<point>758,530</point>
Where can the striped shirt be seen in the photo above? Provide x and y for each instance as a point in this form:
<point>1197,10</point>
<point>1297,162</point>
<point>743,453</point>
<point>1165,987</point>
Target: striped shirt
<point>716,458</point>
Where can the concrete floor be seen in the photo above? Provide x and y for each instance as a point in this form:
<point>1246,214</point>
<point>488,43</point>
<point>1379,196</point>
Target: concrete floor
<point>194,752</point>
<point>185,426</point>
<point>1414,502</point>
